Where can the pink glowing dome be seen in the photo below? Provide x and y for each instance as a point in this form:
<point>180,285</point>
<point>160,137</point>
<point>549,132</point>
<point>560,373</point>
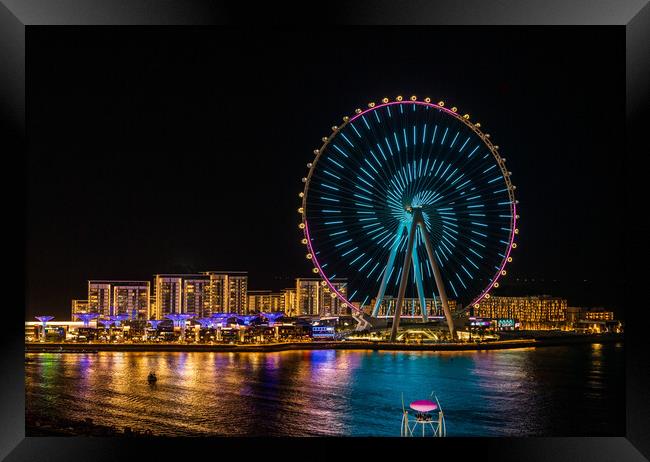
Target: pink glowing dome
<point>423,405</point>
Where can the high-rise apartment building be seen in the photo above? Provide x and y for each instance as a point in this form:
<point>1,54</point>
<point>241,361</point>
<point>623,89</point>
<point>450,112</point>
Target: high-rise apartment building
<point>238,287</point>
<point>131,298</point>
<point>110,298</point>
<point>152,305</point>
<point>182,293</point>
<point>99,298</point>
<point>276,300</point>
<point>201,294</point>
<point>259,300</point>
<point>330,304</point>
<point>196,295</point>
<point>168,290</point>
<point>289,301</point>
<point>315,298</point>
<point>308,296</point>
<point>228,291</point>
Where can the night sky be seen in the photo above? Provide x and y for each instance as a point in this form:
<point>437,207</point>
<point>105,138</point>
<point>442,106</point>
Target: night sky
<point>182,151</point>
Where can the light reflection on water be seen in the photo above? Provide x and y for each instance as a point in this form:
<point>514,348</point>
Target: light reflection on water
<point>548,391</point>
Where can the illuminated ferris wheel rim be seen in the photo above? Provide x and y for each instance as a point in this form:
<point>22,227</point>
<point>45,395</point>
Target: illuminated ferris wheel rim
<point>475,127</point>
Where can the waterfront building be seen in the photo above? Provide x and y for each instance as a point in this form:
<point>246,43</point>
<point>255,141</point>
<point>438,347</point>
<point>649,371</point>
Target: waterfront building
<point>598,314</point>
<point>531,312</point>
<point>259,300</point>
<point>99,298</point>
<point>237,288</point>
<point>55,331</point>
<point>228,291</point>
<point>168,290</point>
<point>181,294</point>
<point>314,298</point>
<point>196,295</point>
<point>289,301</point>
<point>597,320</point>
<point>330,304</point>
<point>308,294</point>
<point>276,300</point>
<point>79,306</point>
<point>131,298</point>
<point>152,306</point>
<point>117,297</point>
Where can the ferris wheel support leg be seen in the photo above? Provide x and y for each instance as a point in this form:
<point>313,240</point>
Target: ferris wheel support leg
<point>418,282</point>
<point>404,279</point>
<point>437,276</point>
<point>389,265</point>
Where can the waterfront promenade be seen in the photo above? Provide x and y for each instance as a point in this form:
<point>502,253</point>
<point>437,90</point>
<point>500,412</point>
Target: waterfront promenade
<point>539,341</point>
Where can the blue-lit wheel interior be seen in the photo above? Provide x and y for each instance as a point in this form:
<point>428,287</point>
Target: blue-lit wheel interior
<point>403,154</point>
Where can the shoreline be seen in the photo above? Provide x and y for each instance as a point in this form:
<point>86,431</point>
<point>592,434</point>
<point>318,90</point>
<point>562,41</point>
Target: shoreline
<point>539,341</point>
<point>41,424</point>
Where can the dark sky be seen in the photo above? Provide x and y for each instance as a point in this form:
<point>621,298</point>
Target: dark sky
<point>182,150</point>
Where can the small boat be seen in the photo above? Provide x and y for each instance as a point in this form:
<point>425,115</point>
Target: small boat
<point>152,377</point>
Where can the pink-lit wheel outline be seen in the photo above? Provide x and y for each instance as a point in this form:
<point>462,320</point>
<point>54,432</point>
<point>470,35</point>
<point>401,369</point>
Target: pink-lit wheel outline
<point>475,129</point>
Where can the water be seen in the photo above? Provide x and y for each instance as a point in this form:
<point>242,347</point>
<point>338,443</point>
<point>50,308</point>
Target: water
<point>551,391</point>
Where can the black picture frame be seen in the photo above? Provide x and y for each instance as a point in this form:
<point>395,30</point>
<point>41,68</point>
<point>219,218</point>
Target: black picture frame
<point>18,16</point>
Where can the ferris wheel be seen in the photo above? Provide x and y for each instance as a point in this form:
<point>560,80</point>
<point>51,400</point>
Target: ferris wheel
<point>409,199</point>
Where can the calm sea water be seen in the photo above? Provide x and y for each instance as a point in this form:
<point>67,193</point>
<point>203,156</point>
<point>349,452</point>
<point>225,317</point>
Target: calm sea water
<point>550,391</point>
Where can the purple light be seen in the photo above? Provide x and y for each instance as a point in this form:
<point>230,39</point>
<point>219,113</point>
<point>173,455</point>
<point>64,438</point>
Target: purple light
<point>273,316</point>
<point>154,323</point>
<point>220,319</point>
<point>205,322</point>
<point>117,319</point>
<point>247,318</point>
<point>179,318</point>
<point>107,323</point>
<point>44,319</point>
<point>87,317</point>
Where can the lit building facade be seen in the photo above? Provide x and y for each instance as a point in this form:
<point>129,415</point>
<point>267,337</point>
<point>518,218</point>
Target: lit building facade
<point>598,314</point>
<point>237,293</point>
<point>289,301</point>
<point>79,306</point>
<point>533,312</point>
<point>113,297</point>
<point>259,300</point>
<point>330,304</point>
<point>182,294</point>
<point>228,291</point>
<point>196,295</point>
<point>152,306</point>
<point>99,298</point>
<point>131,298</point>
<point>168,290</point>
<point>276,300</point>
<point>314,298</point>
<point>308,295</point>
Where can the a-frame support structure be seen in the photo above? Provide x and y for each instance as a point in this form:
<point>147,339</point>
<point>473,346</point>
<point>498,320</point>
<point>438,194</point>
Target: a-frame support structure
<point>411,258</point>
